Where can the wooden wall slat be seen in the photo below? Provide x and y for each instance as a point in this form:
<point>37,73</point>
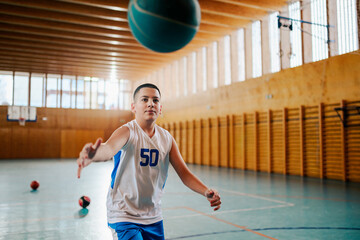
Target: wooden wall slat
<point>353,143</point>
<point>198,142</point>
<point>6,142</point>
<point>277,142</point>
<point>311,136</point>
<point>184,140</point>
<point>206,150</point>
<point>293,142</point>
<point>191,141</point>
<point>262,142</point>
<point>343,144</point>
<point>269,141</point>
<point>214,142</point>
<point>224,141</point>
<point>332,143</point>
<point>238,141</point>
<point>231,119</point>
<point>250,142</point>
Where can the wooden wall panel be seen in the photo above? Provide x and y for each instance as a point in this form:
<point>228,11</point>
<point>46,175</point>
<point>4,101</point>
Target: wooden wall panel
<point>172,129</point>
<point>307,141</point>
<point>50,138</point>
<point>20,146</point>
<point>311,142</point>
<point>238,141</point>
<point>206,150</point>
<point>353,143</point>
<point>177,134</point>
<point>68,148</point>
<point>44,138</point>
<point>277,140</point>
<point>293,142</point>
<point>263,150</point>
<point>72,141</point>
<point>224,141</point>
<point>191,142</point>
<point>332,143</point>
<point>250,147</point>
<point>5,142</point>
<point>214,142</point>
<point>198,146</point>
<point>184,140</point>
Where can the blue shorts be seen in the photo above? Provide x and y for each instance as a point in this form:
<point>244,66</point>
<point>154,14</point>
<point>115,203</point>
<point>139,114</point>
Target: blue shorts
<point>135,231</point>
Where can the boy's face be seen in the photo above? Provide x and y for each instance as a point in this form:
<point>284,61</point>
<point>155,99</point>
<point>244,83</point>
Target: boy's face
<point>147,105</point>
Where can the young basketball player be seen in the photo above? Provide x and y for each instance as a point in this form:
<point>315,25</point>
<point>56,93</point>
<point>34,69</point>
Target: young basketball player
<point>142,152</point>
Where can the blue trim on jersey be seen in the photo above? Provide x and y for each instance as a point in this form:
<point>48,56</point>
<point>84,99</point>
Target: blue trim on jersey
<point>164,182</point>
<point>116,166</point>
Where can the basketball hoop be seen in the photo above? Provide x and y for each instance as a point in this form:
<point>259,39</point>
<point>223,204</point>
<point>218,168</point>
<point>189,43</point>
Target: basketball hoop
<point>22,122</point>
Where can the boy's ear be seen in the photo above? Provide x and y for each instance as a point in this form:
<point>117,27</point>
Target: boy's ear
<point>133,107</point>
<point>160,109</point>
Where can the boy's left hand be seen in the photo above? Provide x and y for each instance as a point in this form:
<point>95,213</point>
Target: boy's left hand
<point>214,198</point>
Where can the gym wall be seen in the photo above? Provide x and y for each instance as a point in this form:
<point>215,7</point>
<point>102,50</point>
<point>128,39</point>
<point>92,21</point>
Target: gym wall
<point>62,135</point>
<point>295,132</point>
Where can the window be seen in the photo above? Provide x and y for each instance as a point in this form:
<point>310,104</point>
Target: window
<point>319,33</point>
<point>256,49</point>
<point>184,72</point>
<point>347,26</point>
<point>21,89</point>
<point>80,95</point>
<point>121,94</point>
<point>126,94</point>
<point>51,96</point>
<point>241,54</point>
<point>194,66</point>
<point>6,88</point>
<point>58,95</point>
<point>227,60</point>
<point>176,76</point>
<point>73,93</point>
<point>66,92</point>
<point>295,35</point>
<point>57,91</point>
<point>112,91</point>
<point>204,69</point>
<point>215,65</point>
<point>94,93</point>
<point>36,90</point>
<point>274,37</point>
<point>87,92</point>
<point>101,94</point>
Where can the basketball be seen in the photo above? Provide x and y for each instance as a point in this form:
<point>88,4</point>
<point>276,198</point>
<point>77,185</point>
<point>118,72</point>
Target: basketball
<point>84,201</point>
<point>34,185</point>
<point>164,26</point>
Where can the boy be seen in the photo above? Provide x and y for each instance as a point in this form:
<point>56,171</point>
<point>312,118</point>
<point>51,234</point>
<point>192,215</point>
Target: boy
<point>142,152</point>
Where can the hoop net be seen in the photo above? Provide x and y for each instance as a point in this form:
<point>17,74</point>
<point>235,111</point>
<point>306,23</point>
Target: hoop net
<point>22,122</point>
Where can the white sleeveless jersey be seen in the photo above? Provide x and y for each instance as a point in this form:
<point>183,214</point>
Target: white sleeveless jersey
<point>139,175</point>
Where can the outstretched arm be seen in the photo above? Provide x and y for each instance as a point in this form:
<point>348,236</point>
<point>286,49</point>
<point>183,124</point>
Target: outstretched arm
<point>100,152</point>
<point>190,180</point>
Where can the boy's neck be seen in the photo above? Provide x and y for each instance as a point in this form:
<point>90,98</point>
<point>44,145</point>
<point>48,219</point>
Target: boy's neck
<point>147,126</point>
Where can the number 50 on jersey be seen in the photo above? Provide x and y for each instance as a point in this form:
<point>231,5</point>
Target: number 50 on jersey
<point>149,157</point>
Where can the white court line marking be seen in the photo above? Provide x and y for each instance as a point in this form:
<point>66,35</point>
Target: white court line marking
<point>229,211</point>
<point>283,204</point>
<point>256,196</point>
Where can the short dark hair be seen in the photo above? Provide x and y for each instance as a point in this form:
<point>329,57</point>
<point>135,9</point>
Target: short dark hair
<point>145,85</point>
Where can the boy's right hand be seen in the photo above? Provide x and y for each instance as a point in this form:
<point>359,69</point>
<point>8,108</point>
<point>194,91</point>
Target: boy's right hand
<point>86,155</point>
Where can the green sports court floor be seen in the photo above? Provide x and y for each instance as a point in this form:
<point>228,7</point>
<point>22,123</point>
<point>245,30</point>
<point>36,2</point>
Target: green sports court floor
<point>255,205</point>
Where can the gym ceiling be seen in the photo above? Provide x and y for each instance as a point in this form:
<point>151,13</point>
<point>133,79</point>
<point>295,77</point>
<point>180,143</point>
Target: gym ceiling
<point>90,37</point>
